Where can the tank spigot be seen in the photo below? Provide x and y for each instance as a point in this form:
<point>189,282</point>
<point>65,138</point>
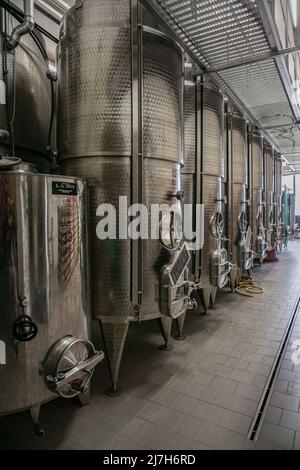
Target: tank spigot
<point>180,195</point>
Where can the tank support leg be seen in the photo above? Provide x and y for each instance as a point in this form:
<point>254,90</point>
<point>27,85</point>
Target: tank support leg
<point>165,325</point>
<point>206,293</point>
<point>213,296</point>
<point>85,397</point>
<point>201,297</point>
<point>114,337</point>
<point>35,416</point>
<point>178,336</point>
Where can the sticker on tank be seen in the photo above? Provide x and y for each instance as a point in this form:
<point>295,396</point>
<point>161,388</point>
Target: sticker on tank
<point>64,188</point>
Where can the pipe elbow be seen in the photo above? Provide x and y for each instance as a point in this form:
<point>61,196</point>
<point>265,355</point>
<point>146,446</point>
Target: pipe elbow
<point>24,28</point>
<point>29,23</point>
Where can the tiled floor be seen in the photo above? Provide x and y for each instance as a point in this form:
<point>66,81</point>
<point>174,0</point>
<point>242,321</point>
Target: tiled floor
<point>201,395</point>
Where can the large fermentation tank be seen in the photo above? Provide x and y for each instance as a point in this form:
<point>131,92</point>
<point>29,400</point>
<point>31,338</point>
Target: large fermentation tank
<point>100,121</point>
<point>238,224</point>
<point>277,186</point>
<point>190,182</point>
<point>202,178</point>
<point>256,193</point>
<point>269,218</point>
<point>212,112</point>
<point>44,292</point>
<point>28,100</point>
<point>278,210</point>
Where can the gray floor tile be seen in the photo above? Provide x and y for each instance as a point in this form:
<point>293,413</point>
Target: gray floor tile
<point>297,441</point>
<point>212,435</point>
<point>237,363</point>
<point>277,436</point>
<point>249,391</point>
<point>260,369</point>
<point>249,407</point>
<point>294,389</point>
<point>177,401</point>
<point>235,422</point>
<point>224,384</point>
<point>287,402</point>
<point>281,386</point>
<point>242,376</point>
<point>260,381</point>
<point>273,415</point>
<point>237,441</point>
<point>229,401</point>
<point>290,420</point>
<point>264,446</point>
<point>208,412</point>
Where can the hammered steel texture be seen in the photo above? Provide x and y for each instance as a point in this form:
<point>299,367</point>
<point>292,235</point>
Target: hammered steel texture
<point>256,158</point>
<point>163,95</point>
<point>97,89</point>
<point>95,80</point>
<point>190,128</point>
<point>238,161</point>
<point>43,258</point>
<point>213,166</point>
<point>277,187</point>
<point>213,116</point>
<point>107,179</point>
<point>188,185</point>
<point>211,189</point>
<point>269,184</point>
<point>188,171</point>
<point>95,142</point>
<point>29,100</point>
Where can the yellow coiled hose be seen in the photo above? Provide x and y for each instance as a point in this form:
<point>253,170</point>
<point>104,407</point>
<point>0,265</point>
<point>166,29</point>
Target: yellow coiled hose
<point>247,288</point>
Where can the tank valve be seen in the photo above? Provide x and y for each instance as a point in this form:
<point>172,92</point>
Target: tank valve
<point>24,328</point>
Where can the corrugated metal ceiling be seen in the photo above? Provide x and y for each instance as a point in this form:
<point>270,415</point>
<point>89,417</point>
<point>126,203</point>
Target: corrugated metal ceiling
<point>224,33</point>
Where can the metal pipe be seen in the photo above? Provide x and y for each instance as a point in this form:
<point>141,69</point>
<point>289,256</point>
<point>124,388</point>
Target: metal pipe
<point>48,11</point>
<point>23,28</point>
<point>53,9</point>
<point>19,15</point>
<point>58,5</point>
<point>1,51</point>
<point>137,145</point>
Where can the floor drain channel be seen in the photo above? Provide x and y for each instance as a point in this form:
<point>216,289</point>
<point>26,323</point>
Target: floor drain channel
<point>266,396</point>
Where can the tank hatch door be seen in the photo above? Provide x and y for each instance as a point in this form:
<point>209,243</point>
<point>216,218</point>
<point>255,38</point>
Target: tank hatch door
<point>69,365</point>
<point>245,253</point>
<point>219,266</point>
<point>176,289</point>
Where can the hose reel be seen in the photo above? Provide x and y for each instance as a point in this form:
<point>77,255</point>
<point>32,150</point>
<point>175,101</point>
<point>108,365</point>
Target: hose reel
<point>69,365</point>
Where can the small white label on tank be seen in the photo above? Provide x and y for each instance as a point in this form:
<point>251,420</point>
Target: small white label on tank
<point>2,92</point>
